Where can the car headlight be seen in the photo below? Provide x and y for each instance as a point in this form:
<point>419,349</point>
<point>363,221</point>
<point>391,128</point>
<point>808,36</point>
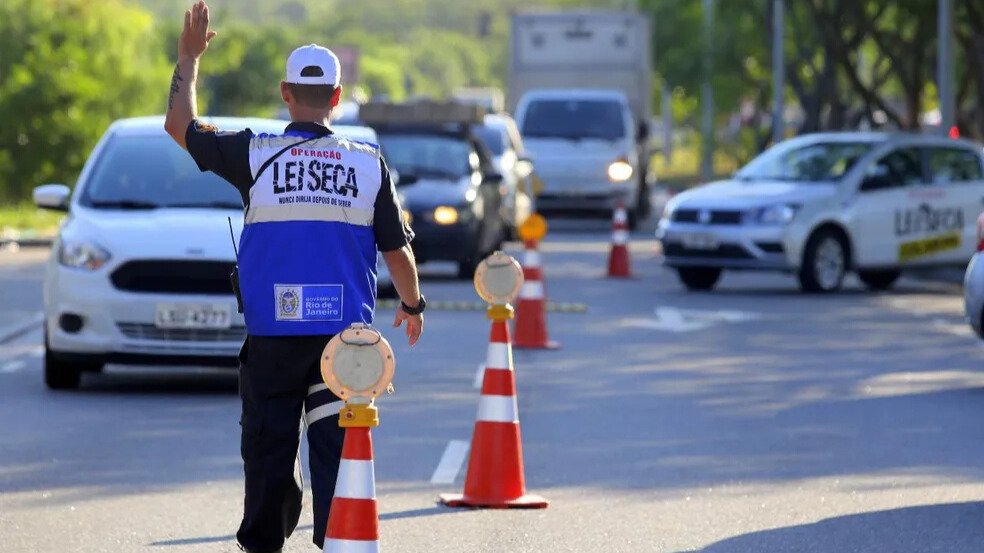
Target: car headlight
<point>82,255</point>
<point>779,214</point>
<point>445,215</point>
<point>619,171</point>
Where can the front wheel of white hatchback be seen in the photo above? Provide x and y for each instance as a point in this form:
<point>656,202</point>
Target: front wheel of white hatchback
<point>825,262</point>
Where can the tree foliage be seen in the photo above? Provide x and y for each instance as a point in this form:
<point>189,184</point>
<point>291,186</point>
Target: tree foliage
<point>848,63</point>
<point>67,69</point>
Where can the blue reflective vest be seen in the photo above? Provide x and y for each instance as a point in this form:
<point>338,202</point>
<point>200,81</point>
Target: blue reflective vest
<point>307,257</point>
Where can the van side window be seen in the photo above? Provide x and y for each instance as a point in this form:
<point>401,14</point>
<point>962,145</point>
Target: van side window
<point>954,165</point>
<point>896,170</point>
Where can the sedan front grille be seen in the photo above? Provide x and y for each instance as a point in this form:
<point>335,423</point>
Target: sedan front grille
<point>172,276</point>
<point>724,251</point>
<point>716,217</point>
<point>141,331</point>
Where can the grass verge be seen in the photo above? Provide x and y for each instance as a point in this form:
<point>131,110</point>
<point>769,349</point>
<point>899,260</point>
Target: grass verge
<point>27,220</point>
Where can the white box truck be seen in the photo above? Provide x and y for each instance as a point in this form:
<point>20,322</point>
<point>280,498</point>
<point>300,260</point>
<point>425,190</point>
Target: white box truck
<point>580,85</point>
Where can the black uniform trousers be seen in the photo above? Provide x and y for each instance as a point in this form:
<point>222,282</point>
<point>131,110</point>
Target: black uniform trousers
<point>279,383</point>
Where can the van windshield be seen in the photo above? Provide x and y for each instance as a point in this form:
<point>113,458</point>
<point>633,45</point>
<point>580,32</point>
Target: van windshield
<point>816,162</point>
<point>574,119</point>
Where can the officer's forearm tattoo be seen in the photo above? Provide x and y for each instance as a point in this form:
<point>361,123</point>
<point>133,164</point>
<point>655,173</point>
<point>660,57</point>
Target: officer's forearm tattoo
<point>175,85</point>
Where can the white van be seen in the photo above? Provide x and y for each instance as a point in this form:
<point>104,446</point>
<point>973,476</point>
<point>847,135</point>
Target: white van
<point>583,144</point>
<point>824,204</point>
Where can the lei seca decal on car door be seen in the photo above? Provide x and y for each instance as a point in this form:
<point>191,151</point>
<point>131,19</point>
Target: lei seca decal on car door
<point>943,227</point>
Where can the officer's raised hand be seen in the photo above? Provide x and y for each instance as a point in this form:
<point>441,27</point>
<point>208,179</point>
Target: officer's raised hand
<point>196,35</point>
<point>181,105</point>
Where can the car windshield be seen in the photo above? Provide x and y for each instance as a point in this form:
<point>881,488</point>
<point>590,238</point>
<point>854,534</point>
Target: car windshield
<point>146,172</point>
<point>816,162</point>
<point>493,138</point>
<point>574,119</point>
<point>421,156</point>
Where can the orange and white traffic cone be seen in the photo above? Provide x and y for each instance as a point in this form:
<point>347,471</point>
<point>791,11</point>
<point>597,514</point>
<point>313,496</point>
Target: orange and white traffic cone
<point>618,257</point>
<point>353,522</point>
<point>495,468</point>
<point>531,308</point>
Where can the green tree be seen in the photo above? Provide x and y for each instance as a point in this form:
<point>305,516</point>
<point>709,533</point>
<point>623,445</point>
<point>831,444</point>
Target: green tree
<point>68,68</point>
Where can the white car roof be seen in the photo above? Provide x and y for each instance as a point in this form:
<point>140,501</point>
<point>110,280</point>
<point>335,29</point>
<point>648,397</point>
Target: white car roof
<point>574,93</point>
<point>877,137</point>
<point>154,125</point>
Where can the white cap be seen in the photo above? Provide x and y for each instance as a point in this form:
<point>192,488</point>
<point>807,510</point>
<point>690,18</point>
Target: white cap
<point>317,57</point>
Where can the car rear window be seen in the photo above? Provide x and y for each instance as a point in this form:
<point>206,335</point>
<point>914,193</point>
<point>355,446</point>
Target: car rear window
<point>153,171</point>
<point>421,156</point>
<point>574,119</point>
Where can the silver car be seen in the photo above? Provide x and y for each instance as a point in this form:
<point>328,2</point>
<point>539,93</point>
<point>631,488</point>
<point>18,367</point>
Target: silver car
<point>974,284</point>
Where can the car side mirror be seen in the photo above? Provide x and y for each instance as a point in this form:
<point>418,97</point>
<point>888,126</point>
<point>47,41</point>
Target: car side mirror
<point>52,196</point>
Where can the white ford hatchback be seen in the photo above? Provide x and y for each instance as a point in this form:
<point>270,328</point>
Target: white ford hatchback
<point>140,271</point>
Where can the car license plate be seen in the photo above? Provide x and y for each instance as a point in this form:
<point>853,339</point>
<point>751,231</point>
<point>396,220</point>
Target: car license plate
<point>700,241</point>
<point>193,315</point>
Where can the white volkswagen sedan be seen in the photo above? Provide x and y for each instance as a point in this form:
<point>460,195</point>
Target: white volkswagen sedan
<point>140,271</point>
<point>824,204</point>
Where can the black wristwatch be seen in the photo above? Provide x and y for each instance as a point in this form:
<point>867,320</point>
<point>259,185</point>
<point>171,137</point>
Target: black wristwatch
<point>415,310</point>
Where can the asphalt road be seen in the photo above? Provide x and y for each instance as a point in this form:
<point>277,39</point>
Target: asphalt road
<point>751,419</point>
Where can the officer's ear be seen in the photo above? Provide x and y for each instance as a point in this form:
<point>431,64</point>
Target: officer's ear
<point>336,96</point>
<point>285,92</point>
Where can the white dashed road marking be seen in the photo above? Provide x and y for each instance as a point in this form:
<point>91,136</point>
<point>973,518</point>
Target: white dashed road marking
<point>449,467</point>
<point>479,376</point>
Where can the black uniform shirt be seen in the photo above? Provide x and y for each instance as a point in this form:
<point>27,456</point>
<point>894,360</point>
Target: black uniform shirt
<point>227,154</point>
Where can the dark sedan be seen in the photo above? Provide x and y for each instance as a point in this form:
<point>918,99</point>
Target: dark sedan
<point>452,191</point>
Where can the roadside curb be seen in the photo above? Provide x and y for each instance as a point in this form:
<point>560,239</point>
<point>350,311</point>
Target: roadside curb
<point>27,243</point>
<point>14,331</point>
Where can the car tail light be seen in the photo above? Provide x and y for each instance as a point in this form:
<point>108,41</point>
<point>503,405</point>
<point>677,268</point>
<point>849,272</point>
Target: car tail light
<point>980,233</point>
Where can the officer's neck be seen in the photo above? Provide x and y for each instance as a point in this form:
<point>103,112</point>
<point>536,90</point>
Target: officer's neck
<point>323,121</point>
<point>306,115</point>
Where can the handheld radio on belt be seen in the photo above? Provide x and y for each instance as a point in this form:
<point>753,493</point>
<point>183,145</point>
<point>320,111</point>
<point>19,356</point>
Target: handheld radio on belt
<point>234,275</point>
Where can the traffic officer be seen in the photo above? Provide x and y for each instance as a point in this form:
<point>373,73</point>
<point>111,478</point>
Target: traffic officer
<point>318,207</point>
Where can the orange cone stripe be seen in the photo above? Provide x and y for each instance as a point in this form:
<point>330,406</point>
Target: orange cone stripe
<point>500,333</point>
<point>532,273</point>
<point>498,382</point>
<point>357,445</point>
<point>495,466</point>
<point>353,519</point>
